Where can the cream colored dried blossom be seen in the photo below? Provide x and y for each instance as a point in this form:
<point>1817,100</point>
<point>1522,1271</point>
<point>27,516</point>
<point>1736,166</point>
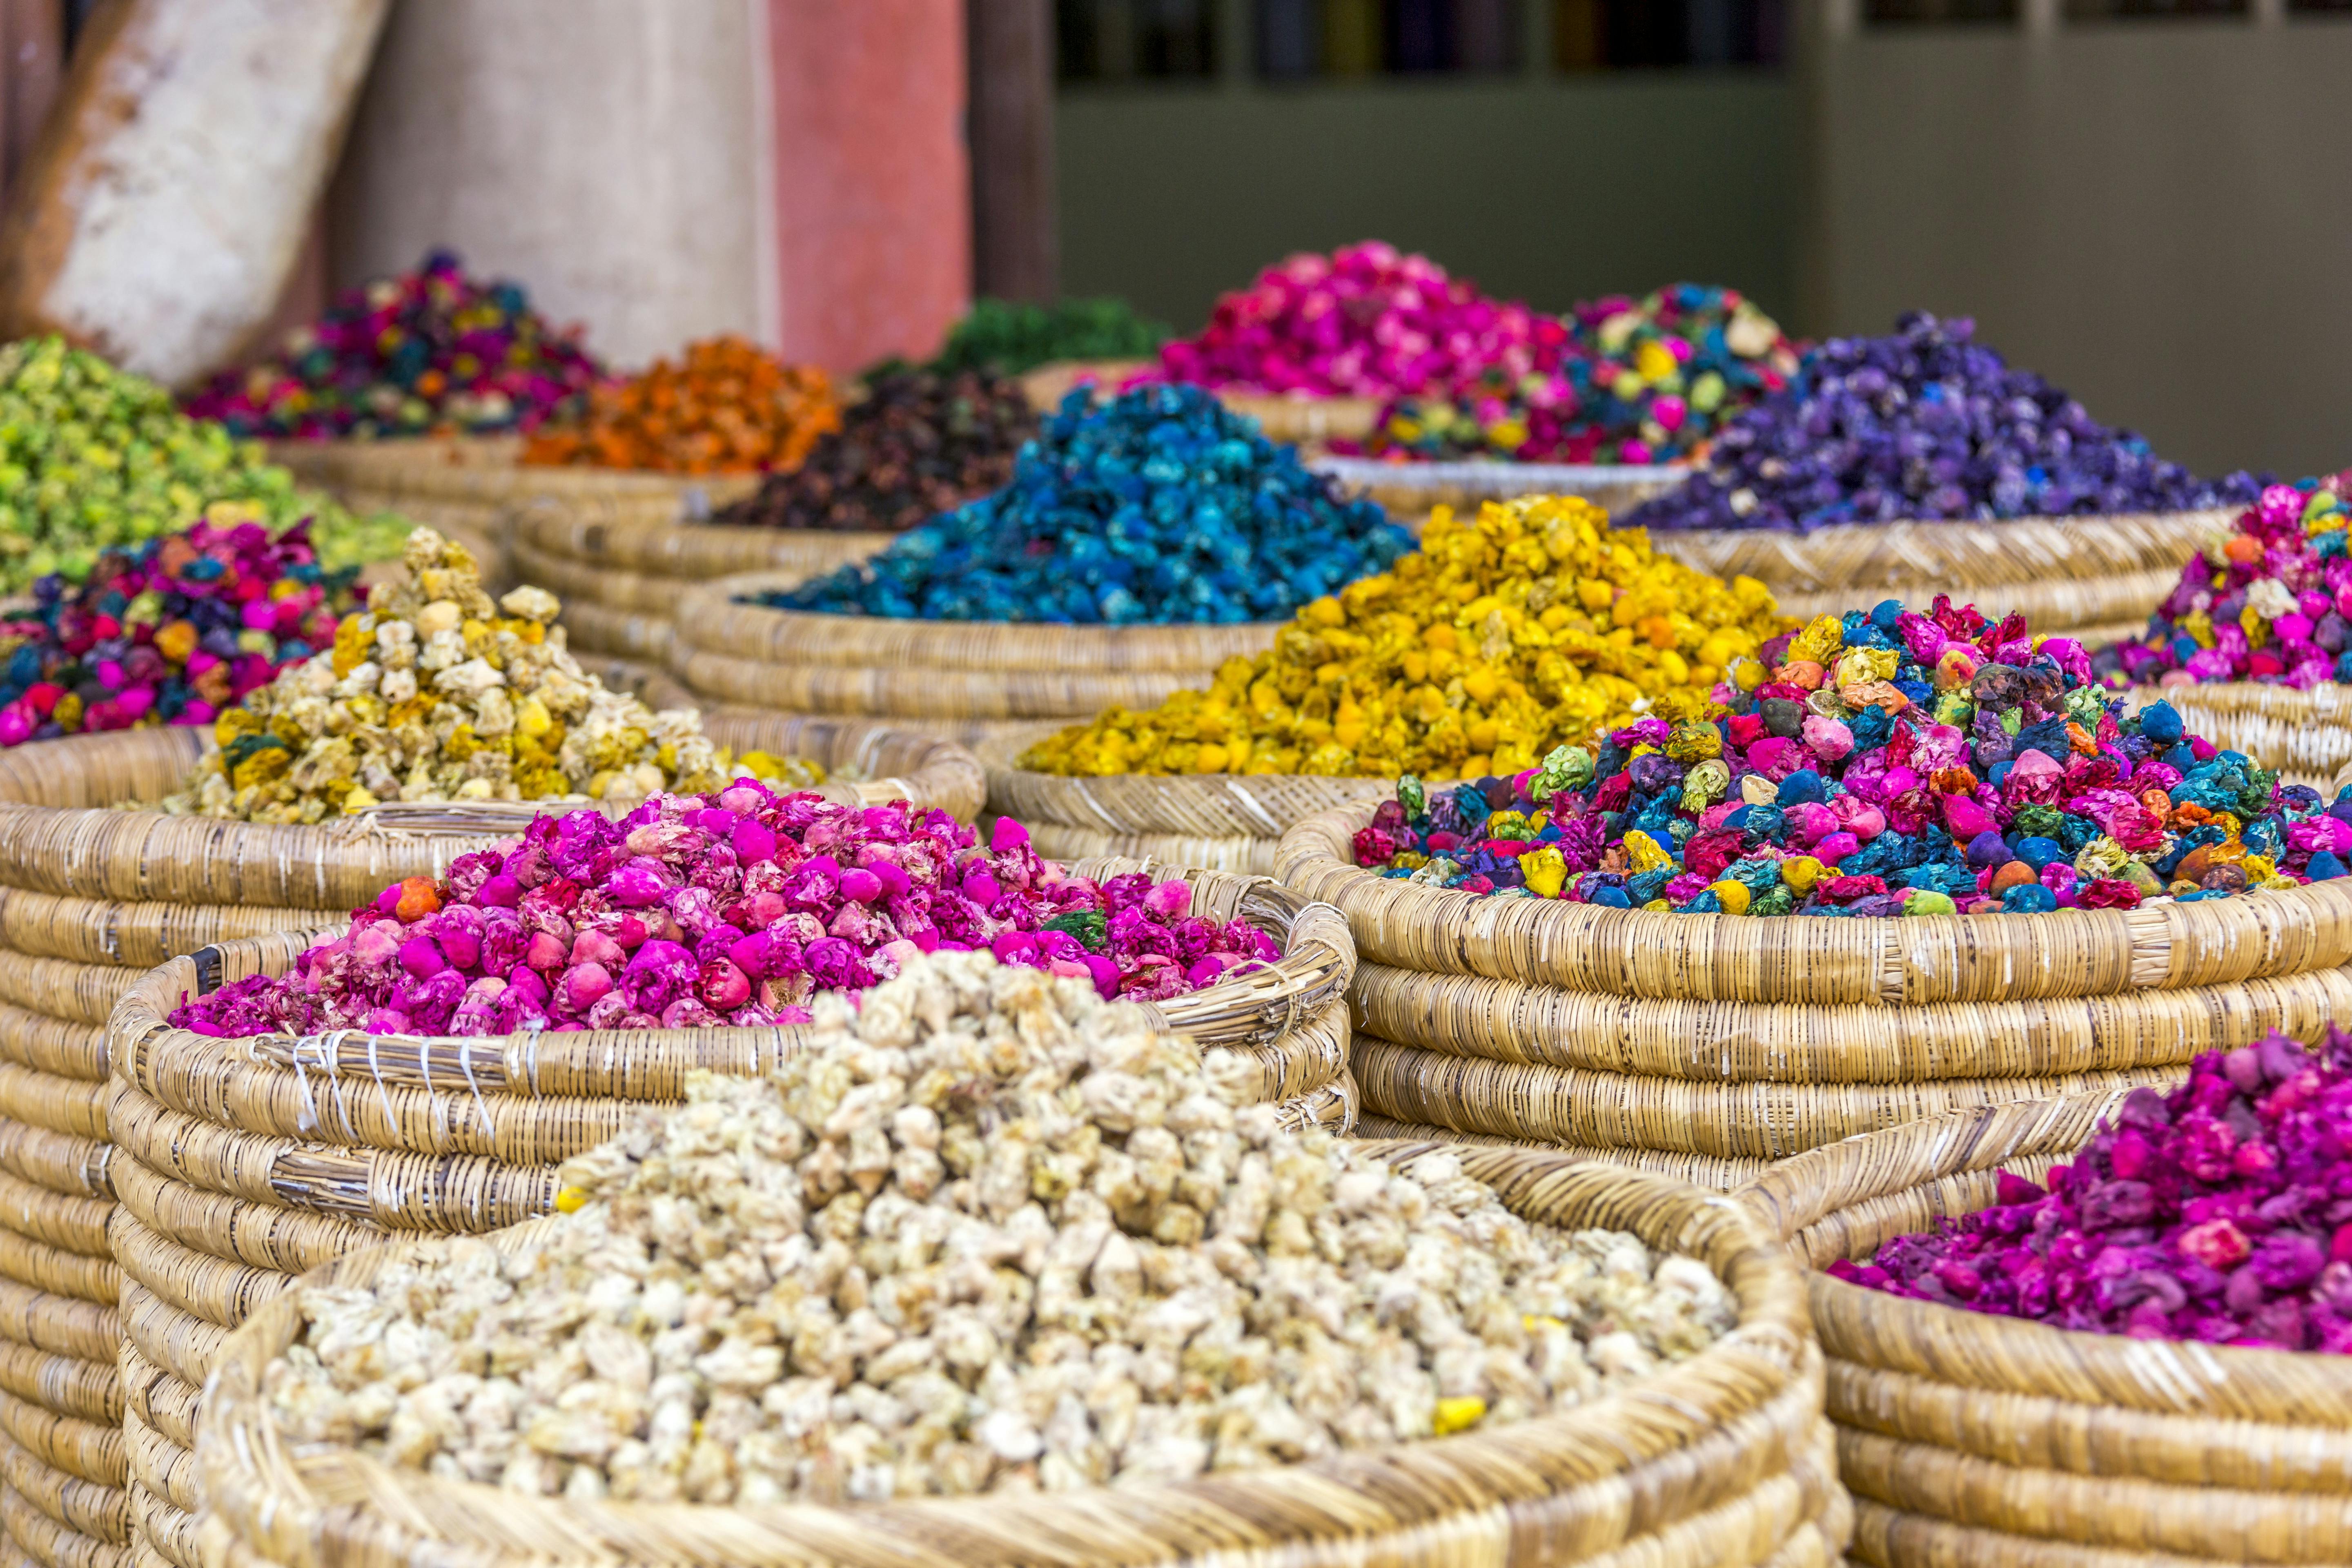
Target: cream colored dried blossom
<point>991,1233</point>
<point>431,695</point>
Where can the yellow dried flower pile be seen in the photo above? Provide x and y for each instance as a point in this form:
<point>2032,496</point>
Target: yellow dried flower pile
<point>1532,624</point>
<point>436,692</point>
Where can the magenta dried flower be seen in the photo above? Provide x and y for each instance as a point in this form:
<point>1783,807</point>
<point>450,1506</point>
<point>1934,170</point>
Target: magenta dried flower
<point>2221,1213</point>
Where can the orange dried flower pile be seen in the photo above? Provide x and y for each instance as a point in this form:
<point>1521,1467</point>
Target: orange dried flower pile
<point>729,407</point>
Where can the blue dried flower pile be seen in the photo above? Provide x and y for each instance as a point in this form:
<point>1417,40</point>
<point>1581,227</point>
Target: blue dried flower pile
<point>1925,424</point>
<point>1159,507</point>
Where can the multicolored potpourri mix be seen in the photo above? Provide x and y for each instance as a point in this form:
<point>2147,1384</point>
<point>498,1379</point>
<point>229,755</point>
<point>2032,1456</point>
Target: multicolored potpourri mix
<point>1890,763</point>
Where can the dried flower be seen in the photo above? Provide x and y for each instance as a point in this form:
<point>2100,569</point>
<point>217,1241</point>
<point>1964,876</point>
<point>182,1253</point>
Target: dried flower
<point>988,1233</point>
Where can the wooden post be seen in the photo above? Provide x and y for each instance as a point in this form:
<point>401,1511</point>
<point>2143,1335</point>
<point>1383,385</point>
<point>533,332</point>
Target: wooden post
<point>1016,246</point>
<point>32,63</point>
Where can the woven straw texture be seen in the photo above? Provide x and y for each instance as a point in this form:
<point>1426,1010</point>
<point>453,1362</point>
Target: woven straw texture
<point>1732,1039</point>
<point>627,559</point>
<point>1227,822</point>
<point>1290,417</point>
<point>471,489</point>
<point>1003,676</point>
<point>1409,492</point>
<point>1722,1460</point>
<point>2096,576</point>
<point>1971,1439</point>
<point>242,1164</point>
<point>1700,1170</point>
<point>2307,735</point>
<point>90,899</point>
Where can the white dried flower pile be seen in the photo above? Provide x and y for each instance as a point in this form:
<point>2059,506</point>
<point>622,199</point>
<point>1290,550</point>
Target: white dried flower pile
<point>991,1232</point>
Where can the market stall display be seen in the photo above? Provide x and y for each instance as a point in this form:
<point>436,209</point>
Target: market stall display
<point>1140,542</point>
<point>93,459</point>
<point>1921,463</point>
<point>2251,644</point>
<point>1529,625</point>
<point>1974,1435</point>
<point>429,352</point>
<point>1574,953</point>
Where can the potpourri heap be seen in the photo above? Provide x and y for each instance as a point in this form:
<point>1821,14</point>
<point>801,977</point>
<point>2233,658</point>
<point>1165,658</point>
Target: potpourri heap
<point>726,406</point>
<point>734,907</point>
<point>1647,382</point>
<point>2221,1213</point>
<point>1892,763</point>
<point>427,352</point>
<point>1927,423</point>
<point>2268,601</point>
<point>92,458</point>
<point>1006,337</point>
<point>1158,507</point>
<point>916,445</point>
<point>986,1234</point>
<point>432,694</point>
<point>1364,321</point>
<point>1503,636</point>
<point>169,632</point>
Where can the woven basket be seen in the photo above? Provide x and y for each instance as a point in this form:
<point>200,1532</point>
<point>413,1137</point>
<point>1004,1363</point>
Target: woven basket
<point>91,898</point>
<point>1294,417</point>
<point>2305,735</point>
<point>1740,1038</point>
<point>1228,822</point>
<point>1970,1438</point>
<point>1720,1459</point>
<point>242,1164</point>
<point>624,561</point>
<point>1700,1170</point>
<point>468,489</point>
<point>2094,578</point>
<point>985,678</point>
<point>1409,492</point>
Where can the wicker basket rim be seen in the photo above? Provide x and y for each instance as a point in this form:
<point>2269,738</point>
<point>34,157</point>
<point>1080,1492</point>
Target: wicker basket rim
<point>2172,1372</point>
<point>1310,848</point>
<point>1752,1370</point>
<point>1317,965</point>
<point>973,644</point>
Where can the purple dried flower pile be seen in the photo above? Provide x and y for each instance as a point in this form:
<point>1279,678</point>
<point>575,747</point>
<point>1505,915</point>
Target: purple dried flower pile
<point>732,908</point>
<point>2222,1212</point>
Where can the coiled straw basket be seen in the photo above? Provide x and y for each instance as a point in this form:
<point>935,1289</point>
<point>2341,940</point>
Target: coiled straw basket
<point>619,565</point>
<point>93,897</point>
<point>1230,822</point>
<point>2092,578</point>
<point>971,679</point>
<point>1283,417</point>
<point>241,1164</point>
<point>1409,492</point>
<point>468,487</point>
<point>2305,735</point>
<point>1973,1440</point>
<point>1730,1040</point>
<point>1720,1459</point>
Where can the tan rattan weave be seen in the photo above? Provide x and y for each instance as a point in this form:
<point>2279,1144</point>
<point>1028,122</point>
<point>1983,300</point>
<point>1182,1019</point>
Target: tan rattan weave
<point>239,1164</point>
<point>1709,1171</point>
<point>2307,735</point>
<point>1718,1460</point>
<point>1972,1439</point>
<point>1226,821</point>
<point>1718,1036</point>
<point>727,651</point>
<point>619,565</point>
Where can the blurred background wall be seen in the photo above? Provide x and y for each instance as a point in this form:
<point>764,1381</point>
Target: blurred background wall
<point>2144,199</point>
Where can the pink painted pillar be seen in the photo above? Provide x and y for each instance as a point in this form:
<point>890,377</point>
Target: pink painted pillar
<point>873,188</point>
